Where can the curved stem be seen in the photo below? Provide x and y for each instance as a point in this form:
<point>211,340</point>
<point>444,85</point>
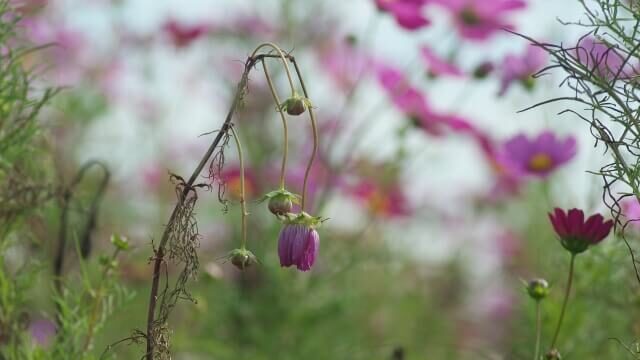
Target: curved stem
<point>284,124</point>
<point>284,62</point>
<point>564,303</point>
<point>243,205</point>
<point>314,129</point>
<point>536,354</point>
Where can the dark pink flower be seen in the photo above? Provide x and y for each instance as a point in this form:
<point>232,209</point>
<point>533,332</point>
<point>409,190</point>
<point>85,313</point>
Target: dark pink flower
<point>521,68</point>
<point>576,234</point>
<point>182,34</point>
<point>479,19</point>
<point>408,13</point>
<point>438,66</point>
<point>606,61</point>
<point>298,245</point>
<point>538,156</point>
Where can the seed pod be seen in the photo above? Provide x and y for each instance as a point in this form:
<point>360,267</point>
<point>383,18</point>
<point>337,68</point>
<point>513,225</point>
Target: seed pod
<point>242,258</point>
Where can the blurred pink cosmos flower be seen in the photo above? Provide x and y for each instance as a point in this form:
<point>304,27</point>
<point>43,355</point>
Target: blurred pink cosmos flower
<point>410,100</point>
<point>42,331</point>
<point>576,234</point>
<point>605,60</point>
<point>345,63</point>
<point>631,211</point>
<point>521,68</point>
<point>407,13</point>
<point>479,19</point>
<point>383,201</point>
<point>182,34</point>
<point>436,65</point>
<point>538,156</point>
<point>231,177</point>
<point>66,50</point>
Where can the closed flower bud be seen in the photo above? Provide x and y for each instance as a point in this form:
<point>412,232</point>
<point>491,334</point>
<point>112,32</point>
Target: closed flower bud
<point>280,204</point>
<point>281,201</point>
<point>295,105</point>
<point>553,354</point>
<point>538,289</point>
<point>242,258</point>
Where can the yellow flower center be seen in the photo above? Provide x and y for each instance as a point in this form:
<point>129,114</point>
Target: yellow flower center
<point>378,203</point>
<point>540,162</point>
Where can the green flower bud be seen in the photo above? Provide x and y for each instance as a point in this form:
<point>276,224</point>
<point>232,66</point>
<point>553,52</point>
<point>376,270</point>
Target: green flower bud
<point>295,105</point>
<point>553,354</point>
<point>242,258</point>
<point>538,289</point>
<point>120,242</point>
<point>280,204</point>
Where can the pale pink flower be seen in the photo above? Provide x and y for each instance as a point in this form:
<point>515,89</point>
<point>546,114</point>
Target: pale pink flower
<point>521,68</point>
<point>407,13</point>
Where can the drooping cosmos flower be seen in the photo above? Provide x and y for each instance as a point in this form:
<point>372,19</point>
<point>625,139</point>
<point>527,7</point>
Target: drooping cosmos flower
<point>576,234</point>
<point>479,19</point>
<point>538,156</point>
<point>521,68</point>
<point>182,34</point>
<point>606,61</point>
<point>299,242</point>
<point>408,13</point>
<point>438,66</point>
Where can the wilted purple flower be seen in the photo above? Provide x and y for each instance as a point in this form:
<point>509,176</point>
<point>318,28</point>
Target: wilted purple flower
<point>606,61</point>
<point>521,68</point>
<point>539,156</point>
<point>299,243</point>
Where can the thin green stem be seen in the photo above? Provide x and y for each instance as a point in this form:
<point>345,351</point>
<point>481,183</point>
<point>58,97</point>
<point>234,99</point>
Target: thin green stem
<point>564,303</point>
<point>284,124</point>
<point>314,129</point>
<point>284,62</point>
<point>243,205</point>
<point>536,353</point>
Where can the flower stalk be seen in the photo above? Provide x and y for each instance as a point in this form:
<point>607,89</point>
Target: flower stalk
<point>565,301</point>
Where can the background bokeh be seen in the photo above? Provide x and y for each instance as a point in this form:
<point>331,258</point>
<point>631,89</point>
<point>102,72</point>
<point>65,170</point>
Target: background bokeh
<point>428,237</point>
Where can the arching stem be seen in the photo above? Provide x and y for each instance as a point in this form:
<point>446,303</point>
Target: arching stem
<point>243,204</point>
<point>314,129</point>
<point>276,99</point>
<point>285,63</point>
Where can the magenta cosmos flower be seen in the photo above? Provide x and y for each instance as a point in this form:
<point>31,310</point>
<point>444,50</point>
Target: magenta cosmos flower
<point>576,234</point>
<point>182,34</point>
<point>438,66</point>
<point>521,68</point>
<point>479,19</point>
<point>410,100</point>
<point>606,61</point>
<point>538,156</point>
<point>408,13</point>
<point>299,242</point>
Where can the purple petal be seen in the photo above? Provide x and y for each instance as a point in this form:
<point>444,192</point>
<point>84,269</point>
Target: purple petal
<point>575,220</point>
